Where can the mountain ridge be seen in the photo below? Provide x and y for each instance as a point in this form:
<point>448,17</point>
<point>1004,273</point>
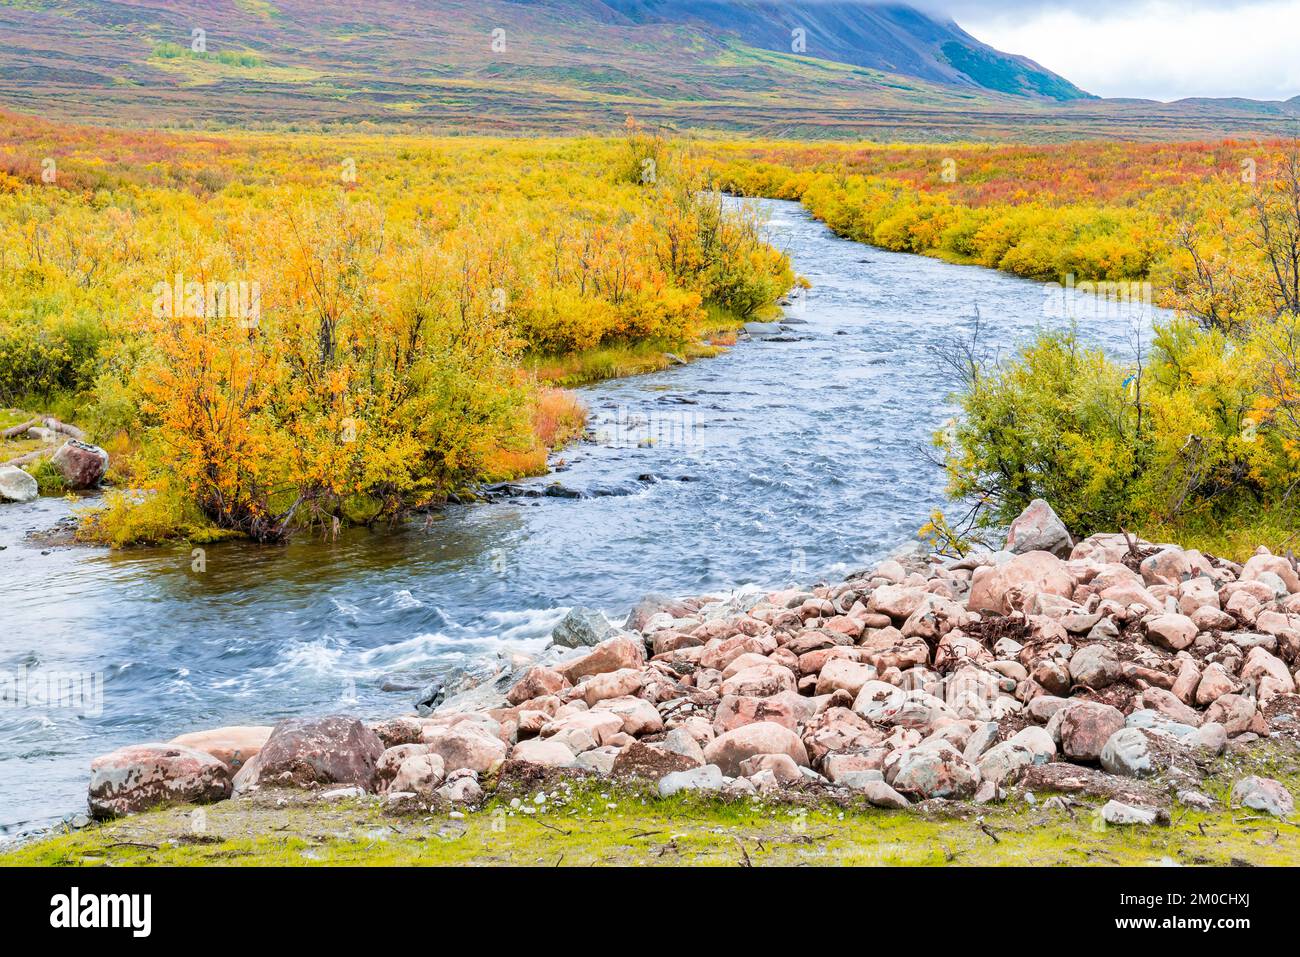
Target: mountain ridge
<point>892,37</point>
<point>561,67</point>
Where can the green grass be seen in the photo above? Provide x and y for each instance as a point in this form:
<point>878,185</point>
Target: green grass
<point>261,8</point>
<point>15,447</point>
<point>591,822</point>
<point>1236,538</point>
<point>575,369</point>
<point>49,480</point>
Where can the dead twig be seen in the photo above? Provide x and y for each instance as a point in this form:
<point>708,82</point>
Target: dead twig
<point>31,456</point>
<point>744,854</point>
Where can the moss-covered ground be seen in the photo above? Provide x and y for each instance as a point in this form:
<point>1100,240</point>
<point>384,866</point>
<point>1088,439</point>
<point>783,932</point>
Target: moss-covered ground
<point>585,822</point>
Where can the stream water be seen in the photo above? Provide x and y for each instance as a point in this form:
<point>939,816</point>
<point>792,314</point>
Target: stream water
<point>791,457</point>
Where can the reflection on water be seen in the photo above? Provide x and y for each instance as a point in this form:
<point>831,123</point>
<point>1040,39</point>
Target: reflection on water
<point>780,461</point>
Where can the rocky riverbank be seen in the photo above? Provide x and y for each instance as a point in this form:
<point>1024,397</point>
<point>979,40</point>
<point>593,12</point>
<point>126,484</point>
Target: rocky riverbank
<point>1109,667</point>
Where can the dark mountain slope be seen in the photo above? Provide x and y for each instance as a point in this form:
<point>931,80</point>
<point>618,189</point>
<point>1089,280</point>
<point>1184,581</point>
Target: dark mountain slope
<point>892,37</point>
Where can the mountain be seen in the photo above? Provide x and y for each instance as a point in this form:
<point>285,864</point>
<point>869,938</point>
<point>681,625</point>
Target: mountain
<point>891,37</point>
<point>867,71</point>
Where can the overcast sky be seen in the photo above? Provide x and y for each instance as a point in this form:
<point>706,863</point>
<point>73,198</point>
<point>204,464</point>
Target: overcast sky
<point>1159,49</point>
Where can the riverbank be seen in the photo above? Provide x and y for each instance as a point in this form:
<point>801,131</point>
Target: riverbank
<point>559,420</point>
<point>1149,684</point>
<point>585,823</point>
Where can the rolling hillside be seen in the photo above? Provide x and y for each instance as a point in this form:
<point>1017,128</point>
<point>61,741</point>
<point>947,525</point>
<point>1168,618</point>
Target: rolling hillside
<point>558,66</point>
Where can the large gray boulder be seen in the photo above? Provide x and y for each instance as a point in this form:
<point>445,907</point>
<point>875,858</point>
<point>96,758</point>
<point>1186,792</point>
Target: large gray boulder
<point>582,628</point>
<point>16,485</point>
<point>1039,529</point>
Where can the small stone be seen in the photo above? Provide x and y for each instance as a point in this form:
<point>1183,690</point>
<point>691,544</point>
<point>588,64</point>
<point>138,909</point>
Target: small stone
<point>857,780</point>
<point>1173,631</point>
<point>1004,762</point>
<point>1210,736</point>
<point>545,752</point>
<point>419,773</point>
<point>465,745</point>
<point>680,741</point>
<point>1195,800</point>
<point>980,740</point>
<point>705,778</point>
<point>462,790</point>
<point>934,772</point>
<point>1263,794</point>
<point>622,651</point>
<point>599,760</point>
<point>1128,753</point>
<point>1086,727</point>
<point>537,682</point>
<point>1095,666</point>
<point>986,792</point>
<point>342,794</point>
<point>762,737</point>
<point>880,794</point>
<point>781,766</point>
<point>1038,741</point>
<point>1126,814</point>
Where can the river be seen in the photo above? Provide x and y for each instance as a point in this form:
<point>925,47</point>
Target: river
<point>793,457</point>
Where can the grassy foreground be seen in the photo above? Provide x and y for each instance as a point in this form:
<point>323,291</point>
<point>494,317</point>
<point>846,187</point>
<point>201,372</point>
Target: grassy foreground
<point>584,822</point>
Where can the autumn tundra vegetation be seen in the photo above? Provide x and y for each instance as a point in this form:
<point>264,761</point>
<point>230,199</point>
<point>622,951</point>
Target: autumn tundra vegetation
<point>273,332</point>
<point>277,331</point>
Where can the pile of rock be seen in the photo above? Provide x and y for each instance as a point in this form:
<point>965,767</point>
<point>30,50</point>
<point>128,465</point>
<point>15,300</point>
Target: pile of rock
<point>1051,664</point>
